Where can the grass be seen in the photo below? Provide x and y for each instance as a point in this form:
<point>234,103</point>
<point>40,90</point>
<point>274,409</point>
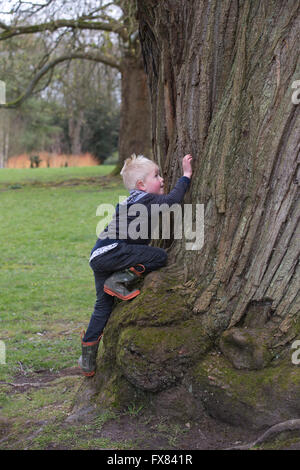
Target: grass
<point>46,284</point>
<point>41,175</point>
<point>47,294</point>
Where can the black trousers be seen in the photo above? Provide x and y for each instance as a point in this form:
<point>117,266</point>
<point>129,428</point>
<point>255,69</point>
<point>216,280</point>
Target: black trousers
<point>123,256</point>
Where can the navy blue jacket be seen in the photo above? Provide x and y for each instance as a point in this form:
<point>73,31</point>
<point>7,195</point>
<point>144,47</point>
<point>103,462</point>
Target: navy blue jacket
<point>117,230</point>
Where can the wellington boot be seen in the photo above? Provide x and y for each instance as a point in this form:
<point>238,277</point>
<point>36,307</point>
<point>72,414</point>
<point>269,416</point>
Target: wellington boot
<point>87,360</point>
<point>117,284</point>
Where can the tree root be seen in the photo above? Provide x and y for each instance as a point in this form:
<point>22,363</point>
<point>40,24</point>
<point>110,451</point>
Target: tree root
<point>290,425</point>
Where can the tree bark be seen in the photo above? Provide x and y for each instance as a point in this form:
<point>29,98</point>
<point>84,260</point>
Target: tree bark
<point>75,124</point>
<point>4,137</point>
<point>220,77</point>
<point>213,331</point>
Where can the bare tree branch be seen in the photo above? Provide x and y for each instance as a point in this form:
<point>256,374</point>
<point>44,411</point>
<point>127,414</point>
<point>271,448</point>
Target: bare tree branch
<point>91,15</point>
<point>112,26</point>
<point>103,58</point>
<point>4,26</point>
<point>38,6</point>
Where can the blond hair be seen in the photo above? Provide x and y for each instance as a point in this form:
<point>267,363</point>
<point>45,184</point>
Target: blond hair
<point>135,168</point>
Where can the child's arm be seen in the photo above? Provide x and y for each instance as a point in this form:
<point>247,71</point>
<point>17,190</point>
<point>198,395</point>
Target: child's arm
<point>177,194</point>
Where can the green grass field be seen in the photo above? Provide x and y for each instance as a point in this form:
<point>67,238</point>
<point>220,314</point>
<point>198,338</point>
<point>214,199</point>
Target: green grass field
<point>48,227</point>
<point>21,176</point>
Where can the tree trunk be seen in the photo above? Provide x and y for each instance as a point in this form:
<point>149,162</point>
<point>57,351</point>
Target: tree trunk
<point>214,330</point>
<point>75,124</point>
<point>4,137</point>
<point>135,118</point>
<point>221,89</point>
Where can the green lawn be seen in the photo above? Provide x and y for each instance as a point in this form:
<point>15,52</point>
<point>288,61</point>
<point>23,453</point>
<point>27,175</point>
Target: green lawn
<point>46,284</point>
<point>11,176</point>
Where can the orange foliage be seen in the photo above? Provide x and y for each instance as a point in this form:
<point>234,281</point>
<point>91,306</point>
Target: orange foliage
<point>52,160</point>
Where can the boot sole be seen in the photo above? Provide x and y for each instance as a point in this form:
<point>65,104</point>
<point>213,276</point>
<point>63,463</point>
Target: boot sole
<point>122,297</point>
<point>89,374</point>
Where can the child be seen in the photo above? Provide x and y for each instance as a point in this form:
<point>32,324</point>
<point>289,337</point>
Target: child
<point>117,259</point>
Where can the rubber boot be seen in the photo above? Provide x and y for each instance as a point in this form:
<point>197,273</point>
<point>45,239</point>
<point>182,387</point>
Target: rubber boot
<point>117,284</point>
<point>87,360</point>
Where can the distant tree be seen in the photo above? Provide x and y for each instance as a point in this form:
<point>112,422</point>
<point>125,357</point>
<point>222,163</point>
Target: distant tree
<point>100,132</point>
<point>52,118</point>
<point>35,161</point>
<point>51,21</point>
<point>37,127</point>
<point>82,87</point>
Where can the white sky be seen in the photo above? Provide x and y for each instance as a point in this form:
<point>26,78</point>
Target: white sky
<point>68,10</point>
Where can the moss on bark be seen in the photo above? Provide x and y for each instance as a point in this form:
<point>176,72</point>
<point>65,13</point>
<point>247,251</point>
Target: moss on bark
<point>248,397</point>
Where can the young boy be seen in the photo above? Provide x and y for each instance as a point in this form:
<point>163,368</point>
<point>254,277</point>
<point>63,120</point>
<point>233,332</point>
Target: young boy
<point>118,259</point>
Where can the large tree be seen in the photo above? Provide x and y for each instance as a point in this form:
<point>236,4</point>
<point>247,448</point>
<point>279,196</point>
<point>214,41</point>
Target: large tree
<point>83,22</point>
<point>215,330</point>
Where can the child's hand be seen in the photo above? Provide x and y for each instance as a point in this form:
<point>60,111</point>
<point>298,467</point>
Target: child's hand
<point>187,165</point>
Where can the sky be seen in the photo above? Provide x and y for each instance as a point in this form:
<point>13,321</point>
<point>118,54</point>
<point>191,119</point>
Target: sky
<point>70,8</point>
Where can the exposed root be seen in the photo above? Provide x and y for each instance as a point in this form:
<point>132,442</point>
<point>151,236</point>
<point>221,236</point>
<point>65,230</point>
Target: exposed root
<point>290,425</point>
<point>26,384</point>
<point>43,380</point>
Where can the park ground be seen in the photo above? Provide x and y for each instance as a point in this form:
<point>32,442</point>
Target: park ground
<point>48,227</point>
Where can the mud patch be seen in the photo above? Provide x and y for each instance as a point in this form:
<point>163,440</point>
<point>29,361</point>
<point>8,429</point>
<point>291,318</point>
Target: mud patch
<point>23,381</point>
